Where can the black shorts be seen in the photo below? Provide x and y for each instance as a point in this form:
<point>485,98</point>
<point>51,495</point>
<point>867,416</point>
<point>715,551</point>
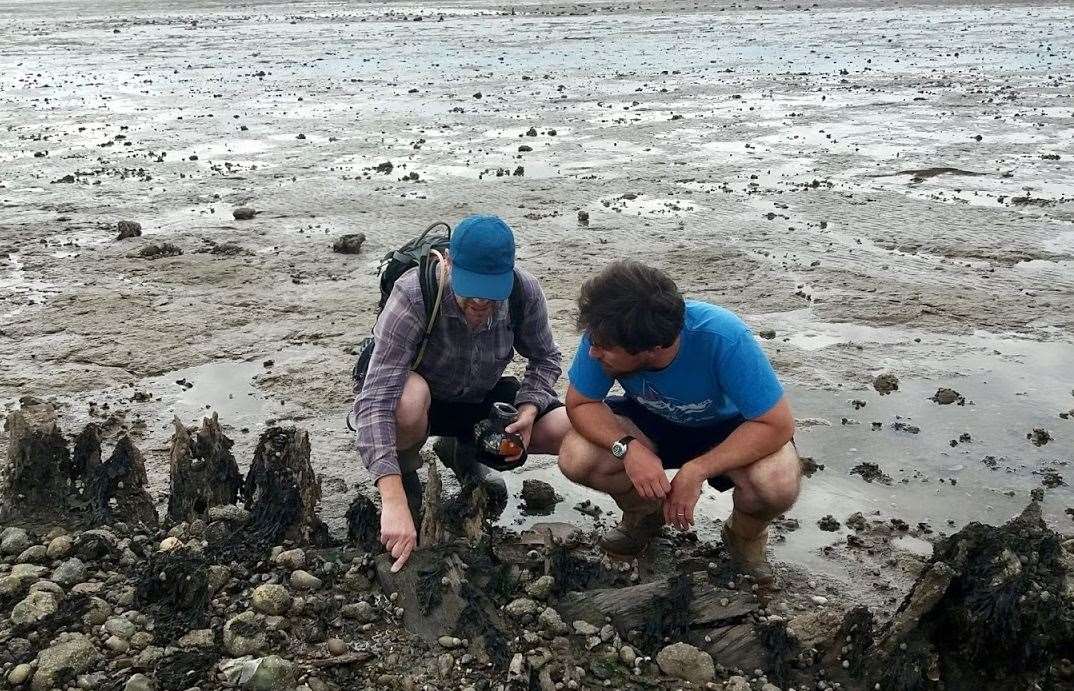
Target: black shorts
<point>455,419</point>
<point>677,444</point>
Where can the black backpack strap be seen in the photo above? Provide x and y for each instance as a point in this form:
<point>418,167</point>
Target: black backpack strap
<point>428,281</point>
<point>516,305</point>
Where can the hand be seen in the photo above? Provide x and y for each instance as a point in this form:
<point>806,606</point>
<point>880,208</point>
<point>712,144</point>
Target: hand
<point>523,426</point>
<point>645,470</point>
<point>685,490</point>
<point>397,532</point>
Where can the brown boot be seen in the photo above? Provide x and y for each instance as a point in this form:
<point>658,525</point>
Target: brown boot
<point>748,555</point>
<point>642,521</point>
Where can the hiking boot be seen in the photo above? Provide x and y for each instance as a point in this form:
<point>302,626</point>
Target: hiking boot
<point>461,459</point>
<point>748,555</point>
<point>633,534</point>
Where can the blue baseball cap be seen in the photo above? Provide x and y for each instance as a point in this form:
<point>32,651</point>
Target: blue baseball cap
<point>482,258</point>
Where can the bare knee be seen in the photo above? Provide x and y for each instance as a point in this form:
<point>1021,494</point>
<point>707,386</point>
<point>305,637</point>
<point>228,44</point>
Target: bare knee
<point>412,411</point>
<point>771,485</point>
<point>577,458</point>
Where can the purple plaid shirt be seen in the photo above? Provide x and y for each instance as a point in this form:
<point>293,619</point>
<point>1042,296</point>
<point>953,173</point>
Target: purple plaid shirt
<point>459,364</point>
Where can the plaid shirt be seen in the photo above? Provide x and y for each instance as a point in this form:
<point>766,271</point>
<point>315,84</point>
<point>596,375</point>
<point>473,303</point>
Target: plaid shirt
<point>459,364</point>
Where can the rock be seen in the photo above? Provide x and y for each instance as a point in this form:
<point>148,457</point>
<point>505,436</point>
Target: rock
<point>336,646</point>
<point>362,611</point>
<point>70,572</point>
<point>20,674</point>
<point>736,683</point>
<point>170,543</point>
<point>584,628</point>
<point>219,576</point>
<point>349,244</point>
<point>128,229</point>
<point>117,644</point>
<point>627,655</point>
<point>767,334</point>
<point>22,576</point>
<point>583,218</point>
<point>272,673</point>
<point>14,541</point>
<point>449,642</point>
<point>157,250</point>
<point>96,544</point>
<point>829,524</point>
<point>304,580</point>
<point>947,397</point>
<point>684,661</point>
<point>539,496</point>
<point>243,213</point>
<point>445,662</point>
<point>1039,436</point>
<point>35,607</point>
<point>34,554</point>
<point>98,612</point>
<point>541,588</point>
<point>292,560</point>
<point>271,598</point>
<point>549,620</point>
<point>60,547</point>
<point>120,626</point>
<point>523,608</point>
<point>71,655</point>
<point>199,638</point>
<point>886,383</point>
<point>141,640</point>
<point>244,635</point>
<point>229,513</point>
<point>138,682</point>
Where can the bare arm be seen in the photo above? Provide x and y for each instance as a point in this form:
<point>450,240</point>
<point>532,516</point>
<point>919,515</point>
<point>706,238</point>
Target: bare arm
<point>594,420</point>
<point>753,440</point>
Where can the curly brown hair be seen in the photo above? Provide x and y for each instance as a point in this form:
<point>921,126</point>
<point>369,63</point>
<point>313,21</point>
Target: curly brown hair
<point>632,306</point>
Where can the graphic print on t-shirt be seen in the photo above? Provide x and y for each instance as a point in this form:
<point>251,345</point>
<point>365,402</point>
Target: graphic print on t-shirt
<point>673,409</point>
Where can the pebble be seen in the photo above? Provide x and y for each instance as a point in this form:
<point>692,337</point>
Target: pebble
<point>20,674</point>
<point>60,547</point>
<point>292,559</point>
<point>304,580</point>
<point>336,646</point>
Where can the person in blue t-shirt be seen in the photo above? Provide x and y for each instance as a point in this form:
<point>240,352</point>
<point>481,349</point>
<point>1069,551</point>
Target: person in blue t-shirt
<point>700,396</point>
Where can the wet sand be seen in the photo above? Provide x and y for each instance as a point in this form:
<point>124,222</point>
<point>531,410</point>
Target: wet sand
<point>888,189</point>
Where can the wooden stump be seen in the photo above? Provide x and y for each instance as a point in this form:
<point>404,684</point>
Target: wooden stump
<point>203,471</point>
<point>121,481</point>
<point>281,491</point>
<point>38,473</point>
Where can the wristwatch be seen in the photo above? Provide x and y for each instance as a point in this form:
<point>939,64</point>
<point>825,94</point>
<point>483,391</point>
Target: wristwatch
<point>619,448</point>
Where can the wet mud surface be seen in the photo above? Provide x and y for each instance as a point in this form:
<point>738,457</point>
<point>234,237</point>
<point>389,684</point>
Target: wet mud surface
<point>819,187</point>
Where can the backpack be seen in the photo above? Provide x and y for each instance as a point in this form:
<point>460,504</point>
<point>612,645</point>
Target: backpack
<point>421,252</point>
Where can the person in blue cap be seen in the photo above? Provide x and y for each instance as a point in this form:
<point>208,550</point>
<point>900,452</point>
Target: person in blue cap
<point>460,375</point>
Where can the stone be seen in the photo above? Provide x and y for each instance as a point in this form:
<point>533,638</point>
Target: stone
<point>138,682</point>
<point>584,628</point>
<point>70,572</point>
<point>170,543</point>
<point>538,496</point>
<point>523,608</point>
<point>229,513</point>
<point>61,547</point>
<point>292,560</point>
<point>304,580</point>
<point>684,661</point>
<point>14,541</point>
<point>349,244</point>
<point>549,620</point>
<point>541,588</point>
<point>96,544</point>
<point>445,663</point>
<point>128,229</point>
<point>199,638</point>
<point>20,674</point>
<point>219,576</point>
<point>271,598</point>
<point>272,673</point>
<point>35,607</point>
<point>736,683</point>
<point>34,554</point>
<point>362,611</point>
<point>97,613</point>
<point>336,646</point>
<point>886,383</point>
<point>627,655</point>
<point>48,587</point>
<point>71,655</point>
<point>449,642</point>
<point>141,640</point>
<point>117,644</point>
<point>243,213</point>
<point>244,635</point>
<point>120,626</point>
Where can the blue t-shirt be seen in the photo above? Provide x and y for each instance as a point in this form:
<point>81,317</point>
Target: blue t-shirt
<point>719,373</point>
